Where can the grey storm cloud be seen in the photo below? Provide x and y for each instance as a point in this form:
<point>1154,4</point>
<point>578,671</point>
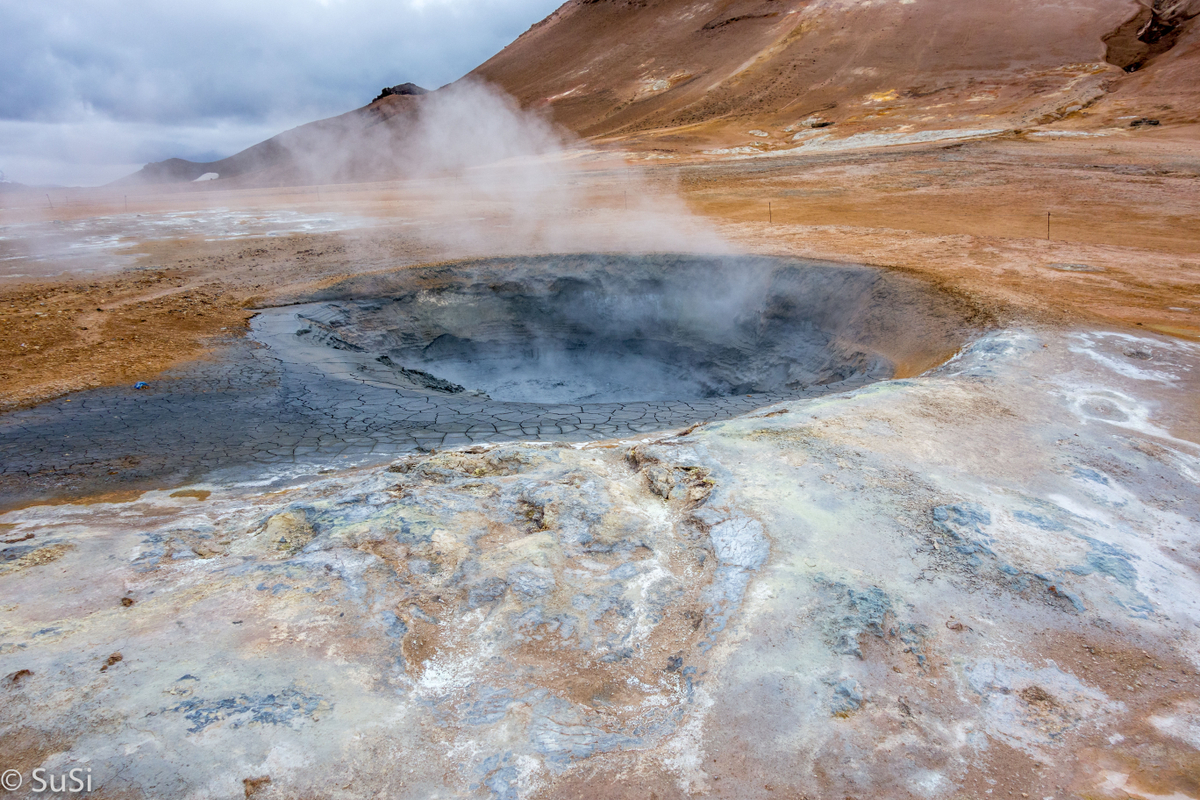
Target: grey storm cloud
<point>91,88</point>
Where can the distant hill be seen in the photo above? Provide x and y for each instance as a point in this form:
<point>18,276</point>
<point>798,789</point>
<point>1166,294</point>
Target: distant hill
<point>347,147</point>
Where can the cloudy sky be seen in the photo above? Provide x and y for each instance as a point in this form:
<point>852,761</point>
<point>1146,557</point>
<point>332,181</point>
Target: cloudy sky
<point>90,90</point>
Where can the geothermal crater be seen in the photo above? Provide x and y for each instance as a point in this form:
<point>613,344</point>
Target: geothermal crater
<point>598,329</point>
<point>573,348</point>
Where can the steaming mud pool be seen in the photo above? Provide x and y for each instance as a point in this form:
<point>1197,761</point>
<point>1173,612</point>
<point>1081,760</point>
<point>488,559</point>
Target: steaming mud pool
<point>558,348</point>
<point>978,580</point>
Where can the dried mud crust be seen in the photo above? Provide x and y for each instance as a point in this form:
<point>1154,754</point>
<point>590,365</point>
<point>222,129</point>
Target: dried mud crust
<point>584,607</point>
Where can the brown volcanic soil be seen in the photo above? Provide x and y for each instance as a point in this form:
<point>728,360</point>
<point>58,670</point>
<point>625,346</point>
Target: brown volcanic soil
<point>686,73</point>
<point>185,297</point>
<point>974,217</point>
<point>682,76</point>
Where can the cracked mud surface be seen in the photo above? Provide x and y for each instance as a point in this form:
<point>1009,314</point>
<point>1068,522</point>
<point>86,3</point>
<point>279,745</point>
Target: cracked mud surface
<point>296,402</point>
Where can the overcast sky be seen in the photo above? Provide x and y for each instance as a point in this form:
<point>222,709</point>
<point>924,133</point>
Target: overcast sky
<point>90,90</point>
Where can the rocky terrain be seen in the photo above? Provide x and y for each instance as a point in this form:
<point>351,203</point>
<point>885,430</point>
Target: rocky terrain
<point>983,578</point>
<point>773,74</point>
<point>973,574</point>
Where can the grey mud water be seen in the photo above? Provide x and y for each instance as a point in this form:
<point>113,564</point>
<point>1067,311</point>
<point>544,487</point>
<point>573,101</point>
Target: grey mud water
<point>570,348</point>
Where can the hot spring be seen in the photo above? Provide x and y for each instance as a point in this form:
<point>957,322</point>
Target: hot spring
<point>608,329</point>
<point>575,348</point>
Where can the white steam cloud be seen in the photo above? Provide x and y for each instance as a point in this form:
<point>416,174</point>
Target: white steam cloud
<point>484,175</point>
<point>463,171</point>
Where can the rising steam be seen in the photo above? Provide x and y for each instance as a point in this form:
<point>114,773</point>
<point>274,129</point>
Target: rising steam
<point>484,176</point>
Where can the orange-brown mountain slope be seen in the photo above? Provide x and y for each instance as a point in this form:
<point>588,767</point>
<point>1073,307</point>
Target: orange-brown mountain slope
<point>764,74</point>
<point>698,71</point>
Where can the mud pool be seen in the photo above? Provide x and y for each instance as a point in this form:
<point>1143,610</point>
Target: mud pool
<point>609,329</point>
<point>563,348</point>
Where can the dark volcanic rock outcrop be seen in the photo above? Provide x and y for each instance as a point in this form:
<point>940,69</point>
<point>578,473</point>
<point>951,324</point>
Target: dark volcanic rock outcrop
<point>400,89</point>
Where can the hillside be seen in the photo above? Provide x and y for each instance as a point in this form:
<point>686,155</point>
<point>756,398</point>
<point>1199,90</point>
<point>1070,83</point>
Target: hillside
<point>749,76</point>
<point>682,71</point>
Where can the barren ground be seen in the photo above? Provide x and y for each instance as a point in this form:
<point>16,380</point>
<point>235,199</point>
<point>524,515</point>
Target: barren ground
<point>978,581</point>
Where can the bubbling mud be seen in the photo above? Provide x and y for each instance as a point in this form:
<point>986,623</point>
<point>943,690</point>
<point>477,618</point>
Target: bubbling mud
<point>603,329</point>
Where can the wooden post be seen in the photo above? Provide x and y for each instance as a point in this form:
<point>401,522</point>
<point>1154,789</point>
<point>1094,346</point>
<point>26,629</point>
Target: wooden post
<point>1047,226</point>
<point>770,215</point>
<point>48,200</point>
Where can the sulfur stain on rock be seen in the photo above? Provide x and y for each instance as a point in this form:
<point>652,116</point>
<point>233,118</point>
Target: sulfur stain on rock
<point>285,533</point>
<point>535,516</point>
<point>199,494</point>
<point>689,484</point>
<point>253,786</point>
<point>450,466</point>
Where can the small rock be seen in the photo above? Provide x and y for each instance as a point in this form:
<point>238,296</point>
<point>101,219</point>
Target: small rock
<point>847,698</point>
<point>253,786</point>
<point>14,678</point>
